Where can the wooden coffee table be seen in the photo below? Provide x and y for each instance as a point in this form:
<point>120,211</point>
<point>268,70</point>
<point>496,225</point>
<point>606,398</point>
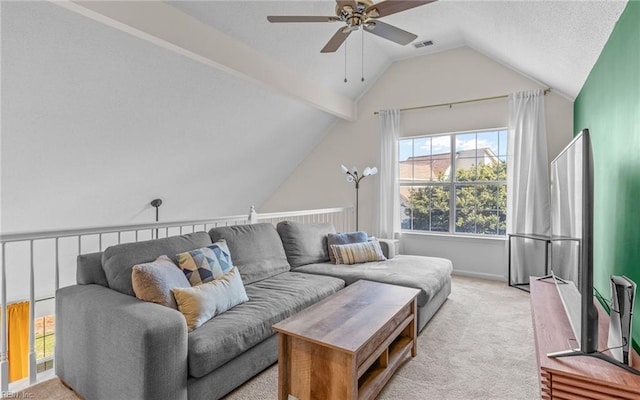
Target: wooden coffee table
<point>348,345</point>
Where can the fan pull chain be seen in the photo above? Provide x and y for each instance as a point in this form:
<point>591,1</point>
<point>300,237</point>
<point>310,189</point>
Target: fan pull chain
<point>345,61</point>
<point>362,74</point>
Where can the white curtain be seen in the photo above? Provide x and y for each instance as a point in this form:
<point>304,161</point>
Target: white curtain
<point>527,183</point>
<point>386,221</point>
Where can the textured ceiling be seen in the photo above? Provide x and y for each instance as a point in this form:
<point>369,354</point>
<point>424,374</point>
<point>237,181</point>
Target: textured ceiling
<point>554,42</point>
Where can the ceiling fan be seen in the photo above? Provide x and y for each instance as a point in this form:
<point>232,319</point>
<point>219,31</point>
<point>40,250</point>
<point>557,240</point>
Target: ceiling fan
<point>364,14</point>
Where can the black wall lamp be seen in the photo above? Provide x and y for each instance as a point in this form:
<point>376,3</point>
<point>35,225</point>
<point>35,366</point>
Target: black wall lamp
<point>156,203</point>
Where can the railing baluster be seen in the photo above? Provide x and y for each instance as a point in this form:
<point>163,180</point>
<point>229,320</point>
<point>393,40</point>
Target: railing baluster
<point>4,363</point>
<point>57,273</point>
<point>32,317</point>
<point>166,232</point>
<point>136,235</point>
<point>100,242</point>
<point>119,237</point>
<point>79,244</point>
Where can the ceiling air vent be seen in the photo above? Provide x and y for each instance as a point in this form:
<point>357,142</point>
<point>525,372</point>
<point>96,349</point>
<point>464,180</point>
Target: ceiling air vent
<point>423,44</point>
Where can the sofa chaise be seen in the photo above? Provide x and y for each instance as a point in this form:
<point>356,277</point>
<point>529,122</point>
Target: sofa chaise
<point>109,344</point>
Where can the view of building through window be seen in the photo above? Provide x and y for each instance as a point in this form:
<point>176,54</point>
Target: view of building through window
<point>454,183</point>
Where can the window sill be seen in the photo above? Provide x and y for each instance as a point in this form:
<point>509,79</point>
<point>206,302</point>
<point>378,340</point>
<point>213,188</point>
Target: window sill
<point>457,236</point>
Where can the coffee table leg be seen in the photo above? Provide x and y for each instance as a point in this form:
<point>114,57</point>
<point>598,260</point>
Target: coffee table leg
<point>414,329</point>
<point>284,369</point>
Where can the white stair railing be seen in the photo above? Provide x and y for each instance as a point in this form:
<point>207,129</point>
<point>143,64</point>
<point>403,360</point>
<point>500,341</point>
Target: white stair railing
<point>59,249</point>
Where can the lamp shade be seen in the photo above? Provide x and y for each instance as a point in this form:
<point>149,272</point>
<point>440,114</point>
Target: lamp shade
<point>374,171</point>
<point>367,171</point>
<point>344,169</point>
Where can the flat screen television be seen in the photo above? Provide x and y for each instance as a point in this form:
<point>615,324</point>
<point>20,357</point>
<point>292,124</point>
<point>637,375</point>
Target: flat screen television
<point>572,188</point>
<point>572,237</point>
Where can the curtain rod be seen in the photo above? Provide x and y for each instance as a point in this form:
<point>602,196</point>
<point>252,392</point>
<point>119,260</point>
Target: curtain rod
<point>453,103</point>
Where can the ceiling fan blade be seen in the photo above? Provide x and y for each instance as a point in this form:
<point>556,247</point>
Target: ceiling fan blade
<point>389,7</point>
<point>336,41</point>
<point>301,18</point>
<point>350,3</point>
<point>392,33</point>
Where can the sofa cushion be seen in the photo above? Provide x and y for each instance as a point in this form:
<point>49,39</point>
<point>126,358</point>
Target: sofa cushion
<point>200,303</point>
<point>118,260</point>
<point>256,250</point>
<point>153,281</point>
<point>355,253</point>
<point>89,270</point>
<point>305,243</point>
<point>271,300</point>
<point>428,274</point>
<point>344,238</point>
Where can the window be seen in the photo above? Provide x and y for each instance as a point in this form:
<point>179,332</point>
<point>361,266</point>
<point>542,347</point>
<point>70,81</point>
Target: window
<point>44,342</point>
<point>454,183</point>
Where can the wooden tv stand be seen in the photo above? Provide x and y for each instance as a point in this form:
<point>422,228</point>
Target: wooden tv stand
<point>578,377</point>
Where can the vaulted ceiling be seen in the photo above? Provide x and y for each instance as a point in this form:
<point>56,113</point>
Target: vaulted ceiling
<point>554,42</point>
<point>208,106</point>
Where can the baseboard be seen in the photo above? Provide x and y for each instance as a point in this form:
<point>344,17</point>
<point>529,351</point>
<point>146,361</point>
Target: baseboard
<point>481,275</point>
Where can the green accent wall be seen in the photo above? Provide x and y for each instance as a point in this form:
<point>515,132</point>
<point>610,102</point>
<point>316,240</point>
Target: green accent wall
<point>609,106</point>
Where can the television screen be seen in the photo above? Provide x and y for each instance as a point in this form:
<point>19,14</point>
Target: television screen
<point>572,238</point>
<point>566,212</point>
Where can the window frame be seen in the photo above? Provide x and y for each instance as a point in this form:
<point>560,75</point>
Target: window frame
<point>453,183</point>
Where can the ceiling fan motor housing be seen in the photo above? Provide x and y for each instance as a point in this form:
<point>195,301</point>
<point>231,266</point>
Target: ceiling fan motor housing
<point>358,17</point>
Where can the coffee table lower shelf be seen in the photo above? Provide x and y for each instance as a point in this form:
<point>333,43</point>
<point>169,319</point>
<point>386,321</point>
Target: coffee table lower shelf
<point>374,379</point>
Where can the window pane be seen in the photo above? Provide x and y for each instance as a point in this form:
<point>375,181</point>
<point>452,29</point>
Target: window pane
<point>488,141</point>
<point>44,336</point>
<point>428,208</point>
<point>502,143</point>
<point>480,209</point>
<point>422,160</point>
<point>405,158</point>
<point>465,141</point>
<point>405,208</point>
<point>465,168</point>
<point>441,145</point>
<point>466,204</point>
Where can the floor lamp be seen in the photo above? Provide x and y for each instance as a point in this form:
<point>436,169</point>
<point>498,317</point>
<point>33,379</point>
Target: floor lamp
<point>352,176</point>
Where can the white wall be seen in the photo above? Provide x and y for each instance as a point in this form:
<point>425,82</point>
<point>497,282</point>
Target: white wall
<point>97,123</point>
<point>450,76</point>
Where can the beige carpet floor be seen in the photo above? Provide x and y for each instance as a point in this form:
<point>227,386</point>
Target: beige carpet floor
<point>478,346</point>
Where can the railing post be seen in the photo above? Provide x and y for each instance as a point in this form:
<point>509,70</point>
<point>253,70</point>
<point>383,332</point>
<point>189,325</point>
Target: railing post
<point>4,363</point>
<point>253,215</point>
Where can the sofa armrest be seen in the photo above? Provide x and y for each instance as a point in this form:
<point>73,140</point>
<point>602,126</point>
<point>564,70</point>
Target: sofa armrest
<point>113,346</point>
<point>389,247</point>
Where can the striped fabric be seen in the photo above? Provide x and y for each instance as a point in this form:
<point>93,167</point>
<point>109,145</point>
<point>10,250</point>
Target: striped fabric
<point>355,253</point>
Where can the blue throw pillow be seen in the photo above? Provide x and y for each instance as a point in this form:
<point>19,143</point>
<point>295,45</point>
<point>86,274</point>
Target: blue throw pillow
<point>344,238</point>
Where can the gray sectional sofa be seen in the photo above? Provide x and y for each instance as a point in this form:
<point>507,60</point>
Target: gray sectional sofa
<point>110,345</point>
